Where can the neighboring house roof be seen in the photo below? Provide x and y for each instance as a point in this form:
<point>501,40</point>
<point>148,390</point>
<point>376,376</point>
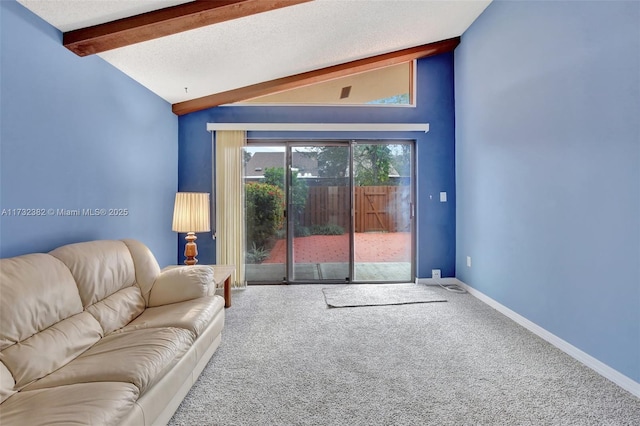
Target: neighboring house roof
<point>306,163</point>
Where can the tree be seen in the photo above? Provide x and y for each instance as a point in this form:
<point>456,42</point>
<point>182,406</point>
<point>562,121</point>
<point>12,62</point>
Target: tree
<point>333,161</point>
<point>246,156</point>
<point>402,99</point>
<point>371,163</point>
<point>275,176</point>
<point>401,160</point>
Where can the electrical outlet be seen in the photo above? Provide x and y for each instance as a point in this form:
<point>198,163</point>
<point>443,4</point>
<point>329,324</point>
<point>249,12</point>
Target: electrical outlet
<point>469,261</point>
<point>435,273</point>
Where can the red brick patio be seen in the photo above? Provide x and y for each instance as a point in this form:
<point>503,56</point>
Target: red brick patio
<point>369,247</point>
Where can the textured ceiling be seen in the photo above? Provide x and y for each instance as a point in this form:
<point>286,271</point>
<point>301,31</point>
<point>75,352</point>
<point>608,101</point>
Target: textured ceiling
<point>264,46</point>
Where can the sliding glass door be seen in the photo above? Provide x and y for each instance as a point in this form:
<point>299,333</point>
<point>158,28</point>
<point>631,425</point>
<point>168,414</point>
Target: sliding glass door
<point>310,219</point>
<point>383,205</point>
<point>320,213</point>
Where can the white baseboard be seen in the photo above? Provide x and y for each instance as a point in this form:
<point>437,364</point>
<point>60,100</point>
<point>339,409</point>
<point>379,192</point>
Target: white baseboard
<point>599,367</point>
<point>437,281</point>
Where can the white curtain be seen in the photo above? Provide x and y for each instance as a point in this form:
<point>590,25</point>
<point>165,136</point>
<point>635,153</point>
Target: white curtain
<point>230,235</point>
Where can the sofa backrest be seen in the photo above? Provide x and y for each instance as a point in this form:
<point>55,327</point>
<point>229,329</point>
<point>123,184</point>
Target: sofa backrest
<point>105,275</point>
<point>147,268</point>
<point>42,323</point>
<point>55,306</point>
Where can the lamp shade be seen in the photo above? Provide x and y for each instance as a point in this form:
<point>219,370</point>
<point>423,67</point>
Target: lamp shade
<point>191,212</point>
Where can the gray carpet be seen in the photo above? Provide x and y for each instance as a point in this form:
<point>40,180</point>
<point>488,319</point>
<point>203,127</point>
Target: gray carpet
<point>379,294</point>
<point>288,359</point>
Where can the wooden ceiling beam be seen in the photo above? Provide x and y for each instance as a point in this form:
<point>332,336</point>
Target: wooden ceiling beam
<point>317,76</point>
<point>164,22</point>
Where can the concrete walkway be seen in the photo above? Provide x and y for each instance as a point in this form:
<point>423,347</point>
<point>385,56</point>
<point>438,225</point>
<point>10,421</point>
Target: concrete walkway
<point>315,272</point>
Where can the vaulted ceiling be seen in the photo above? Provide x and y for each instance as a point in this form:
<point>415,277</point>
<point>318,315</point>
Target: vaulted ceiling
<point>204,53</point>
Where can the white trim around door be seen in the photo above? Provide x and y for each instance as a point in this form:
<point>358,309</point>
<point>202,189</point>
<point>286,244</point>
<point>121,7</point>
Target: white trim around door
<point>322,127</point>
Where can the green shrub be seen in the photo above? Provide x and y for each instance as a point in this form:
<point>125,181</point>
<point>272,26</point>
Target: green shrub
<point>264,206</point>
<point>301,231</point>
<point>327,230</point>
<point>256,255</point>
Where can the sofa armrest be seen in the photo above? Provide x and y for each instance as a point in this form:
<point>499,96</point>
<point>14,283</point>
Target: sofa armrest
<point>177,284</point>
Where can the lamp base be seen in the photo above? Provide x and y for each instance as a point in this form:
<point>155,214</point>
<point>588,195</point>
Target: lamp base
<point>190,249</point>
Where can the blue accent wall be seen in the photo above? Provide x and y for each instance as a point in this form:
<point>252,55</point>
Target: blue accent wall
<point>76,133</point>
<point>435,153</point>
<point>548,169</point>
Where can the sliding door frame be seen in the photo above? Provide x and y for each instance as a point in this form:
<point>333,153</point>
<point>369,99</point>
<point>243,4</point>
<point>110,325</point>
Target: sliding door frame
<point>290,271</point>
<point>288,144</point>
<point>412,203</point>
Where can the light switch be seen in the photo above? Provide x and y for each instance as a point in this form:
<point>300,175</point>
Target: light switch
<point>443,197</point>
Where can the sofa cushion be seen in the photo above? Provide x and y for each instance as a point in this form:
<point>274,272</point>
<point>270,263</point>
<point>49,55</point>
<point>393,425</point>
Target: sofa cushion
<point>37,291</point>
<point>118,309</point>
<point>140,357</point>
<point>180,283</point>
<point>7,383</point>
<point>193,315</point>
<point>106,280</point>
<point>52,348</point>
<point>102,403</point>
<point>100,268</point>
<point>41,316</point>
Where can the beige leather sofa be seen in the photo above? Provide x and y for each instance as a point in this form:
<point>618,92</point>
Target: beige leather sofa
<point>95,333</point>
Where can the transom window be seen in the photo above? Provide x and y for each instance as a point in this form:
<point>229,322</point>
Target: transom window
<point>390,86</point>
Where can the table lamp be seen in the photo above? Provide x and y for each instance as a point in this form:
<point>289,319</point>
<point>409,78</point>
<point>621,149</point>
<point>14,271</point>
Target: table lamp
<point>191,215</point>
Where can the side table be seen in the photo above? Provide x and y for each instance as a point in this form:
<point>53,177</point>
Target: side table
<point>223,273</point>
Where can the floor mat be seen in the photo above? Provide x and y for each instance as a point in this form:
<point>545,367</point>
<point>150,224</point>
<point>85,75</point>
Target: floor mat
<point>354,295</point>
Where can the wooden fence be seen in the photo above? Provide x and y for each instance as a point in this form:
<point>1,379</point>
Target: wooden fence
<point>377,208</point>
